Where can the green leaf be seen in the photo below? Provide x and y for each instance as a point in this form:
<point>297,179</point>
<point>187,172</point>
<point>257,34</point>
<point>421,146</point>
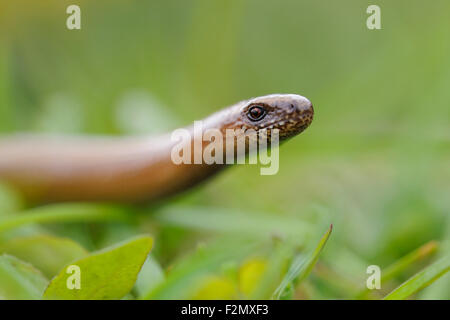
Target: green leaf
<point>20,280</point>
<point>107,274</point>
<point>70,212</point>
<point>421,280</point>
<point>47,253</point>
<point>301,267</point>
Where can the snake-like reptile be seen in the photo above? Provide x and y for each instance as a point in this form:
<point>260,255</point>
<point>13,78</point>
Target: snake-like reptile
<point>134,169</point>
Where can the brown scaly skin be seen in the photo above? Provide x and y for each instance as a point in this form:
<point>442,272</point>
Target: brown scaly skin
<point>134,169</point>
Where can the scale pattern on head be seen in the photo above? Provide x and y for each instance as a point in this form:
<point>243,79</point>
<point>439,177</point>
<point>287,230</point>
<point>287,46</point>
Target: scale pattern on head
<point>289,113</point>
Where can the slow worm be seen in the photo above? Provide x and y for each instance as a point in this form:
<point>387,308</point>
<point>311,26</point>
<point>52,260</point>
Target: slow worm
<point>134,169</point>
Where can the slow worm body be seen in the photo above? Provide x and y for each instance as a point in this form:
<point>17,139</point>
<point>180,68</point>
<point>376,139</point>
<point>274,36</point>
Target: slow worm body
<point>134,169</point>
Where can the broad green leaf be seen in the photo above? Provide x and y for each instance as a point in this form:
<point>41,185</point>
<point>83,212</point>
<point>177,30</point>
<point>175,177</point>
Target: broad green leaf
<point>184,278</point>
<point>421,280</point>
<point>20,280</point>
<point>47,253</point>
<point>70,212</point>
<point>106,274</point>
<point>301,267</point>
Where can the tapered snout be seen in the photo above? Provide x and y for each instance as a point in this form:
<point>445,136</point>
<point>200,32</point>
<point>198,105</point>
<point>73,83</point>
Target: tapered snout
<point>304,108</point>
<point>302,104</point>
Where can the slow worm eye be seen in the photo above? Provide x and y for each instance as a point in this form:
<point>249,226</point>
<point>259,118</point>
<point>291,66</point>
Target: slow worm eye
<point>256,113</point>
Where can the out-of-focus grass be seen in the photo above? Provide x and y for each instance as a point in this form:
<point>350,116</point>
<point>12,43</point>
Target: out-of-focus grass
<point>374,162</point>
<point>421,280</point>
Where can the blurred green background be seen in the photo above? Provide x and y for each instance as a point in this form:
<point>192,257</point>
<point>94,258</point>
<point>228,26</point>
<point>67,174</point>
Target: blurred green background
<point>375,161</point>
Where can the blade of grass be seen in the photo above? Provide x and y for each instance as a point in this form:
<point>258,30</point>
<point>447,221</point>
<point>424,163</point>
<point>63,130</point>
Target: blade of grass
<point>271,277</point>
<point>301,266</point>
<point>405,262</point>
<point>417,255</point>
<point>73,212</point>
<point>421,280</point>
<point>229,221</point>
<point>440,290</point>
